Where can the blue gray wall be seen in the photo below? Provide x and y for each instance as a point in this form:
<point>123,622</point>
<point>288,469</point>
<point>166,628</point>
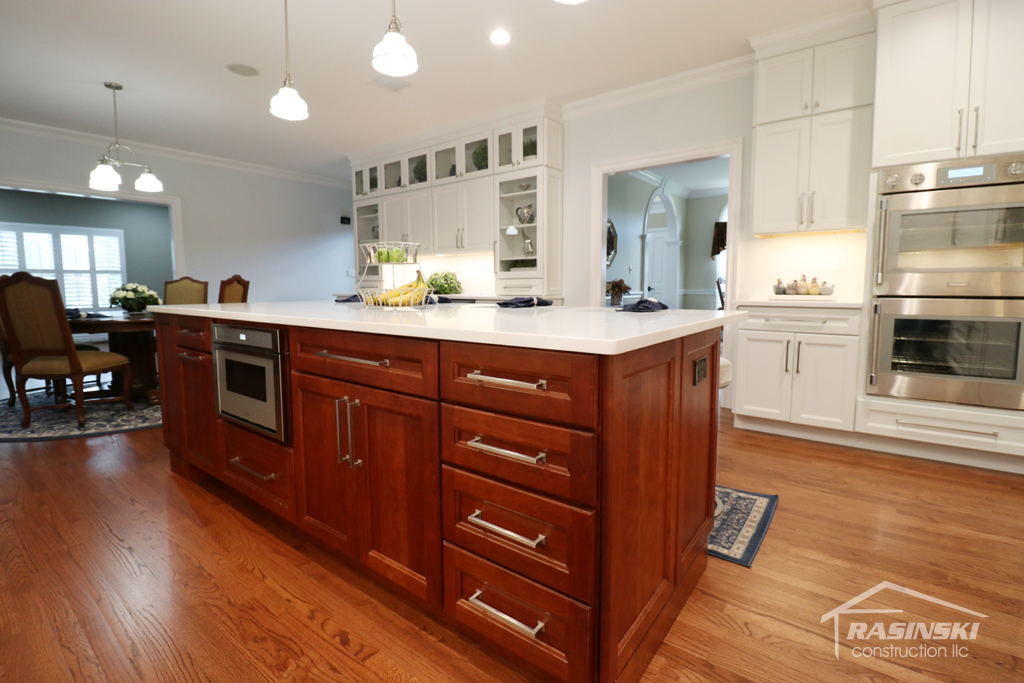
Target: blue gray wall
<point>147,227</point>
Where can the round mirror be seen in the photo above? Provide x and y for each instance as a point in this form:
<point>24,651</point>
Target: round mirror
<point>613,244</point>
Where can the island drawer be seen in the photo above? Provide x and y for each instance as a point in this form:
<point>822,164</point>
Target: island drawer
<point>554,460</point>
<point>545,631</point>
<point>554,386</point>
<point>395,363</point>
<point>193,333</point>
<point>260,468</point>
<point>548,541</point>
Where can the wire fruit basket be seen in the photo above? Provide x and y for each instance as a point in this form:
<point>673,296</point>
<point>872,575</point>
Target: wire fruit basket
<point>397,261</point>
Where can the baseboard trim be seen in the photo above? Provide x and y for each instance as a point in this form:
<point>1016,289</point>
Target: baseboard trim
<point>938,452</point>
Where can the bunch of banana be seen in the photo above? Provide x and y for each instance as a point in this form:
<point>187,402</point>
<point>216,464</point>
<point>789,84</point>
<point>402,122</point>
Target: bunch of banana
<point>409,294</point>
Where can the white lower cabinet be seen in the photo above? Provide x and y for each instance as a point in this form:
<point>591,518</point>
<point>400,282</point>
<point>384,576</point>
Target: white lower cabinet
<point>796,377</point>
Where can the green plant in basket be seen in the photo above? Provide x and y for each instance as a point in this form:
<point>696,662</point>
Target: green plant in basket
<point>445,282</point>
<point>134,297</point>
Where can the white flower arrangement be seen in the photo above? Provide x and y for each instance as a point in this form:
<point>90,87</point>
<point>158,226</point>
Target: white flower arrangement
<point>134,297</point>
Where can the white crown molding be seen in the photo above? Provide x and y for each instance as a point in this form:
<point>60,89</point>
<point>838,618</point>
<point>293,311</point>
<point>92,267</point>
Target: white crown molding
<point>827,30</point>
<point>710,192</point>
<point>53,133</point>
<point>688,80</point>
<point>878,4</point>
<point>654,179</point>
<point>459,129</point>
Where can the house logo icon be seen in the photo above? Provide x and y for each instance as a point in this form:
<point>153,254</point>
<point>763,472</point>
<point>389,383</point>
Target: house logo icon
<point>901,631</point>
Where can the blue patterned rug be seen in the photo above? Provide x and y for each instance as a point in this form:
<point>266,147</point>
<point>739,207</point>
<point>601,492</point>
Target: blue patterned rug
<point>741,526</point>
<point>100,419</point>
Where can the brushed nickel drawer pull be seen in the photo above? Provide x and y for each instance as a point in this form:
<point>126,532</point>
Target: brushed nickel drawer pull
<point>820,321</point>
<point>383,363</point>
<point>191,333</point>
<point>504,618</point>
<point>185,356</point>
<point>259,475</point>
<point>476,518</point>
<point>900,421</point>
<point>542,385</point>
<point>476,443</point>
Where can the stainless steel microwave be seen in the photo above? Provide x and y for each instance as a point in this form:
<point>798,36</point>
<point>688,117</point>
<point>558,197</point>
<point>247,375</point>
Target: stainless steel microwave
<point>952,229</point>
<point>249,378</point>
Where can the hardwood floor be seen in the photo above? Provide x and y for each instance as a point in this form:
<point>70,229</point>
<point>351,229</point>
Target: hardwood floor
<point>112,569</point>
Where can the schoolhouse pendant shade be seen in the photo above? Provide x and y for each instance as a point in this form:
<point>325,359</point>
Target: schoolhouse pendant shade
<point>104,178</point>
<point>147,182</point>
<point>287,104</point>
<point>393,56</point>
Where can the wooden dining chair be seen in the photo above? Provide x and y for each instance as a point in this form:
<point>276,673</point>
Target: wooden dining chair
<point>185,290</point>
<point>41,345</point>
<point>234,290</point>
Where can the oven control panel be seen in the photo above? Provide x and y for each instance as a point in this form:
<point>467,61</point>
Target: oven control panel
<point>253,337</point>
<point>950,174</point>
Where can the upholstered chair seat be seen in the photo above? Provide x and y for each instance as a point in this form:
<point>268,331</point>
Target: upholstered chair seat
<point>92,362</point>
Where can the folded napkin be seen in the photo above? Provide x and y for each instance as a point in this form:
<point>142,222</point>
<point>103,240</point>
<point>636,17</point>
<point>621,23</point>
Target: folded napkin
<point>524,302</point>
<point>643,306</point>
<point>438,299</point>
<point>75,314</point>
<point>354,299</point>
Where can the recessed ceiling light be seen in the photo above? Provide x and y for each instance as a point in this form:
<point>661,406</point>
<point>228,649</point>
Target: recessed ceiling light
<point>500,37</point>
<point>243,70</point>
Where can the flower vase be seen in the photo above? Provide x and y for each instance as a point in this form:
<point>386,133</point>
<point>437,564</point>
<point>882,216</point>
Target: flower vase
<point>134,308</point>
<point>616,298</point>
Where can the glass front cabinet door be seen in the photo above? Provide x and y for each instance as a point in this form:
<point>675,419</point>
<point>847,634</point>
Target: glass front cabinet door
<point>447,163</point>
<point>366,180</point>
<point>405,171</point>
<point>476,155</point>
<point>518,145</point>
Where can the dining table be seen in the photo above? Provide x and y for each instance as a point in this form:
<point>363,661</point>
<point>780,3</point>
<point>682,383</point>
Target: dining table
<point>132,336</point>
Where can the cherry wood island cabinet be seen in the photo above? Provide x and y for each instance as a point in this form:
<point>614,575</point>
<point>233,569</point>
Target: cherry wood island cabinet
<point>554,505</point>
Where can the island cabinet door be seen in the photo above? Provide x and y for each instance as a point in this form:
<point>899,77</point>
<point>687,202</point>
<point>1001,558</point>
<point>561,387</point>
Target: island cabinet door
<point>325,494</point>
<point>397,465</point>
<point>199,411</point>
<point>640,449</point>
<point>170,385</point>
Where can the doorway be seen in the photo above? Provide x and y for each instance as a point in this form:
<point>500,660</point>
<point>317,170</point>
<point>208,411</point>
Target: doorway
<point>668,233</point>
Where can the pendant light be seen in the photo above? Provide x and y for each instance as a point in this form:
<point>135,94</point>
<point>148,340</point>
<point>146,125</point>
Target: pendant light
<point>393,56</point>
<point>287,104</point>
<point>104,177</point>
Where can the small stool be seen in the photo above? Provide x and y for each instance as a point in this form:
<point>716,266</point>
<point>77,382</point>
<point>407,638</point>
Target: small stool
<point>724,379</point>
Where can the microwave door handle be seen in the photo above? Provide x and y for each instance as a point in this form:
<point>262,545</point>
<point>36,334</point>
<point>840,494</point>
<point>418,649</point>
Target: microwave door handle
<point>883,229</point>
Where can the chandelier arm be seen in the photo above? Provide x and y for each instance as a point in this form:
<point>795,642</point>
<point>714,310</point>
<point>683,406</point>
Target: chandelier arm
<point>287,57</point>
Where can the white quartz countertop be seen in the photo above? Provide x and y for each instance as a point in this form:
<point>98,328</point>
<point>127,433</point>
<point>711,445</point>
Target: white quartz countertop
<point>557,328</point>
<point>797,301</point>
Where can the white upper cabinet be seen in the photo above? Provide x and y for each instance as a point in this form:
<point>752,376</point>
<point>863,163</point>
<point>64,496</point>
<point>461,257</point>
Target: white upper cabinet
<point>839,170</point>
<point>407,217</point>
<point>447,219</point>
<point>996,115</point>
<point>478,215</point>
<point>366,180</point>
<point>781,171</point>
<point>404,171</point>
<point>923,81</point>
<point>784,86</point>
<point>476,155</point>
<point>395,219</point>
<point>844,74</point>
<point>447,163</point>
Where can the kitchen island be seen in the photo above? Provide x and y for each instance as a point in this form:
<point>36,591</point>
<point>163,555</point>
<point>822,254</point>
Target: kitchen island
<point>540,479</point>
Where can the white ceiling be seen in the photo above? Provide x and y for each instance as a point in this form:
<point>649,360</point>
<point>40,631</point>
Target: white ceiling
<point>171,58</point>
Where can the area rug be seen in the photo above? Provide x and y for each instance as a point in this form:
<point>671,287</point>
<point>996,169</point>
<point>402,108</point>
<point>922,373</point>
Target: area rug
<point>100,419</point>
<point>741,526</point>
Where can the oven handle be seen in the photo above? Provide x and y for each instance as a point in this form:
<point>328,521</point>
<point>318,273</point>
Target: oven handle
<point>883,228</point>
<point>384,363</point>
<point>876,345</point>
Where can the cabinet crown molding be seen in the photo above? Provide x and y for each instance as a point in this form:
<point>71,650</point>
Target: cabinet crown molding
<point>827,30</point>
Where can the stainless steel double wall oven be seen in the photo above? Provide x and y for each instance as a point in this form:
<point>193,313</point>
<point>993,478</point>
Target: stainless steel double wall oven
<point>949,283</point>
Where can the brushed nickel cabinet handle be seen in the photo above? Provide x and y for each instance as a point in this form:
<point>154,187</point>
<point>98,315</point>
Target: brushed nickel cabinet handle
<point>337,429</point>
<point>477,519</point>
<point>810,210</point>
<point>476,443</point>
<point>798,345</point>
<point>349,359</point>
<point>504,618</point>
<point>977,123</point>
<point>258,475</point>
<point>787,355</point>
<point>542,384</point>
<point>900,421</point>
<point>959,131</point>
<point>185,356</point>
<point>800,208</point>
<point>351,451</point>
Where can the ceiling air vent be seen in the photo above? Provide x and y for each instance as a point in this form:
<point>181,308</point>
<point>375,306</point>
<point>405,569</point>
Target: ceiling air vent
<point>392,83</point>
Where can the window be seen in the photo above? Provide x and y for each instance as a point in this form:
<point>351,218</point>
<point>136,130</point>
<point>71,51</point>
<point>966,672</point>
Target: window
<point>87,262</point>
